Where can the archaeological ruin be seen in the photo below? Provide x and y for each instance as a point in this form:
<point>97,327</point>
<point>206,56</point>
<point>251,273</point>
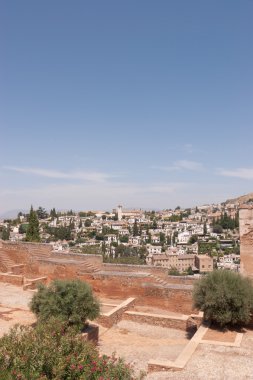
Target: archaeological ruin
<point>246,239</point>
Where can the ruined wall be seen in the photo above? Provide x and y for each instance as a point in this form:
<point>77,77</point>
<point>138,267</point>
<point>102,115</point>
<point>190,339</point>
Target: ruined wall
<point>12,279</point>
<point>96,260</point>
<point>24,253</point>
<point>119,281</point>
<point>158,271</point>
<point>177,298</point>
<point>246,239</point>
<point>53,270</point>
<point>157,320</point>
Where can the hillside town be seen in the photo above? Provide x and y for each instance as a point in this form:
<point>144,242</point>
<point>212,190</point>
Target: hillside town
<point>187,241</point>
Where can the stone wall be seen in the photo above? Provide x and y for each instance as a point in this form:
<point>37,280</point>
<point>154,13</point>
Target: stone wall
<point>119,281</point>
<point>179,323</point>
<point>158,271</point>
<point>115,315</point>
<point>246,239</point>
<point>96,260</point>
<point>174,297</point>
<point>12,279</point>
<point>25,253</point>
<point>18,269</point>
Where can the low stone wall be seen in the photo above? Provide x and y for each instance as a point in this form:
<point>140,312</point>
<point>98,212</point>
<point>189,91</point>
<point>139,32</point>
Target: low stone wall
<point>115,315</point>
<point>32,283</point>
<point>13,279</point>
<point>179,323</point>
<point>18,269</point>
<point>158,271</point>
<point>96,260</point>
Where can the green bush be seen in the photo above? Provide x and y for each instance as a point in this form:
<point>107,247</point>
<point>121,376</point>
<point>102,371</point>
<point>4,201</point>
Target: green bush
<point>70,300</point>
<point>225,297</point>
<point>53,351</point>
<point>173,271</point>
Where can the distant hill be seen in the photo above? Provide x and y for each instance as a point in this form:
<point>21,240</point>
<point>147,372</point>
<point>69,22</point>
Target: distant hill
<point>242,199</point>
<point>12,214</point>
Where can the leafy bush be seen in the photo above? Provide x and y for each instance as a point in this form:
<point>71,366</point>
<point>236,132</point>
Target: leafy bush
<point>53,351</point>
<point>173,271</point>
<point>225,297</point>
<point>71,301</point>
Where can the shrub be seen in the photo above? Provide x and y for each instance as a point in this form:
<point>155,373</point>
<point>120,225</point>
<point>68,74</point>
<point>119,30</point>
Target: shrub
<point>71,301</point>
<point>173,271</point>
<point>225,297</point>
<point>54,351</point>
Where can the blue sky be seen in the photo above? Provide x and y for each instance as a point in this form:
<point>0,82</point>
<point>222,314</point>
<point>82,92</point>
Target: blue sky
<point>143,103</point>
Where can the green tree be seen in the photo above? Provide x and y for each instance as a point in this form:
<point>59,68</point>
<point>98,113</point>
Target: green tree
<point>53,213</point>
<point>174,237</point>
<point>22,228</point>
<point>162,238</point>
<point>217,229</point>
<point>189,271</point>
<point>205,229</point>
<point>142,253</point>
<point>225,297</point>
<point>6,233</point>
<point>124,239</point>
<point>33,233</point>
<point>69,300</point>
<point>173,271</point>
<point>87,223</point>
<point>41,212</point>
<point>62,233</point>
<point>135,229</point>
<point>193,239</point>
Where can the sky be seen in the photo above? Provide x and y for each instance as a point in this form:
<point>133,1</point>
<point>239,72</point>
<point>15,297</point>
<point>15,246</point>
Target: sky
<point>144,103</point>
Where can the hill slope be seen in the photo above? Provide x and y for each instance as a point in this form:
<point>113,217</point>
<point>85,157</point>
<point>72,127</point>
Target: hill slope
<point>242,199</point>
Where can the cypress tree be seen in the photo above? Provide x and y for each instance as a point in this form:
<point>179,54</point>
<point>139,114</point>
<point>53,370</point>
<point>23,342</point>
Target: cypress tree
<point>33,233</point>
<point>135,229</point>
<point>6,233</point>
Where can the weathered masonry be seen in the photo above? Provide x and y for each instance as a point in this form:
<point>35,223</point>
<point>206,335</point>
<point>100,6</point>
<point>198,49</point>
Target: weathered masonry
<point>246,238</point>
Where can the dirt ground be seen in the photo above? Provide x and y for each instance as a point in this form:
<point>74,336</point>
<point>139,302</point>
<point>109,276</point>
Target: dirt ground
<point>216,363</point>
<point>138,343</point>
<point>155,310</point>
<point>14,307</point>
<point>220,335</point>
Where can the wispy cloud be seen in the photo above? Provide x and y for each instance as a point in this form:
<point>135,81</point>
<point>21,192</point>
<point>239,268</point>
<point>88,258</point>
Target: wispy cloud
<point>181,165</point>
<point>188,148</point>
<point>244,173</point>
<point>91,195</point>
<point>55,174</point>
